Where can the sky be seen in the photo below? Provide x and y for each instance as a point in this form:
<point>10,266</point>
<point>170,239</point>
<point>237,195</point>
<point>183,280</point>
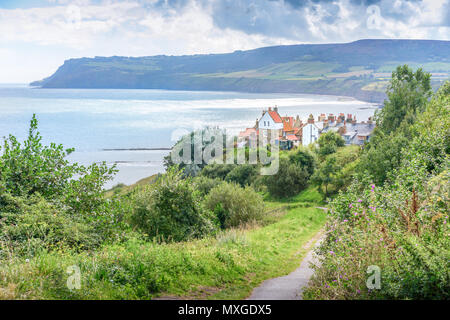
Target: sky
<point>37,36</point>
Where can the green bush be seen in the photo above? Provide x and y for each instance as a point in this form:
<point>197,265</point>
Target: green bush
<point>170,209</point>
<point>28,225</point>
<point>288,181</point>
<point>244,174</point>
<point>216,170</point>
<point>203,185</point>
<point>235,206</point>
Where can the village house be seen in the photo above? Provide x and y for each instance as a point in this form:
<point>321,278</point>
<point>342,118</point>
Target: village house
<point>290,133</point>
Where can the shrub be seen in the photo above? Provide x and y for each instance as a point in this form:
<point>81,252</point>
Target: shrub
<point>203,185</point>
<point>288,181</point>
<point>216,170</point>
<point>329,142</point>
<point>243,174</point>
<point>170,209</point>
<point>235,206</point>
<point>28,225</point>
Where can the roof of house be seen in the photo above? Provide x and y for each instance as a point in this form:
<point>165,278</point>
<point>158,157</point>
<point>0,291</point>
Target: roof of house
<point>247,132</point>
<point>275,116</point>
<point>292,137</point>
<point>288,123</point>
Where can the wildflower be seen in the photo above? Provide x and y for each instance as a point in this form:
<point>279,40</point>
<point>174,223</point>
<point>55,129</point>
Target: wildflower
<point>27,260</point>
<point>350,205</point>
<point>359,200</point>
<point>358,291</point>
<point>355,213</point>
<point>332,252</point>
<point>345,220</point>
<point>372,188</point>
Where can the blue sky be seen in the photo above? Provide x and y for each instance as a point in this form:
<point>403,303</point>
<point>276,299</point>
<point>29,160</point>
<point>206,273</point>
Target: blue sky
<point>36,36</point>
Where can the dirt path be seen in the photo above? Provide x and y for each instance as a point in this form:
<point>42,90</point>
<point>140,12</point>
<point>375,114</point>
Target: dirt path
<point>289,287</point>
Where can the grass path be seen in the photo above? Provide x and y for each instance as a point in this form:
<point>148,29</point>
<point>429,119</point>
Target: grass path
<point>289,287</point>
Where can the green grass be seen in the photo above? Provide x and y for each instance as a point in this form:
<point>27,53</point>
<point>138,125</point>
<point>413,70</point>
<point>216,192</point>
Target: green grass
<point>308,197</point>
<point>227,266</point>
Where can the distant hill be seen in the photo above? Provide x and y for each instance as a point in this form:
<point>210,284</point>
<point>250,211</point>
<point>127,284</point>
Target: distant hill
<point>359,69</point>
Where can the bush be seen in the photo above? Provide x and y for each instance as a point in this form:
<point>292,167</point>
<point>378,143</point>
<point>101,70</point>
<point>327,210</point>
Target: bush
<point>243,174</point>
<point>170,209</point>
<point>203,185</point>
<point>235,206</point>
<point>329,142</point>
<point>288,181</point>
<point>216,170</point>
<point>28,225</point>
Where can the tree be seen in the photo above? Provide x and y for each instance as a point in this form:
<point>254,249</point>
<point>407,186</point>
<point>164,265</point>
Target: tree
<point>328,143</point>
<point>324,176</point>
<point>408,92</point>
<point>303,158</point>
<point>290,179</point>
<point>171,208</point>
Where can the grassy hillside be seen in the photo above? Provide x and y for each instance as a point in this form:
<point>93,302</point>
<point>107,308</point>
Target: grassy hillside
<point>227,266</point>
<point>356,69</point>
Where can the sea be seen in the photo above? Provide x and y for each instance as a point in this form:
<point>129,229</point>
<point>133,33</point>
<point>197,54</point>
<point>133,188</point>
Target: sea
<point>131,128</point>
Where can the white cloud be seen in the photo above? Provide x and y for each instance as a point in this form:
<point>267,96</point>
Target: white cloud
<point>81,28</point>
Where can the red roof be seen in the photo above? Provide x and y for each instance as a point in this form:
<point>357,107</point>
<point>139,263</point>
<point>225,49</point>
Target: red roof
<point>292,137</point>
<point>275,116</point>
<point>248,132</point>
<point>288,123</point>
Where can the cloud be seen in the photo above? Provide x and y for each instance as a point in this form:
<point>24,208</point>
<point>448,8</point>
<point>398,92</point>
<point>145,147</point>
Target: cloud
<point>62,29</point>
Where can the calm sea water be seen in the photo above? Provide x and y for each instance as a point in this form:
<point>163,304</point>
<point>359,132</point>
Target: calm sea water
<point>92,120</point>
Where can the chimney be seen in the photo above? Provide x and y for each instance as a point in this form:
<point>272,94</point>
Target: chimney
<point>370,120</point>
<point>257,123</point>
<point>311,119</point>
<point>275,109</point>
<point>330,117</point>
<point>270,109</point>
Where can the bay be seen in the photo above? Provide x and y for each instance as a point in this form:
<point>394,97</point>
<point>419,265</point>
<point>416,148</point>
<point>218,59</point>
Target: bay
<point>92,120</point>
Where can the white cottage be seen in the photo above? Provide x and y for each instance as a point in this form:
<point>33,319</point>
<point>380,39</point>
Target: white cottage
<point>310,131</point>
<point>270,120</point>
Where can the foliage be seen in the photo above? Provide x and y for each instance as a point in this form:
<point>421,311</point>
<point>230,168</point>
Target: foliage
<point>400,226</point>
<point>196,150</point>
<point>408,93</point>
<point>216,170</point>
<point>64,201</point>
<point>28,225</point>
<point>203,185</point>
<point>288,181</point>
<point>337,170</point>
<point>228,265</point>
<point>170,209</point>
<point>235,206</point>
<point>328,143</point>
<point>244,174</point>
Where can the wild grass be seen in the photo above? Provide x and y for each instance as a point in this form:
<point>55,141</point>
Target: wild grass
<point>228,265</point>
